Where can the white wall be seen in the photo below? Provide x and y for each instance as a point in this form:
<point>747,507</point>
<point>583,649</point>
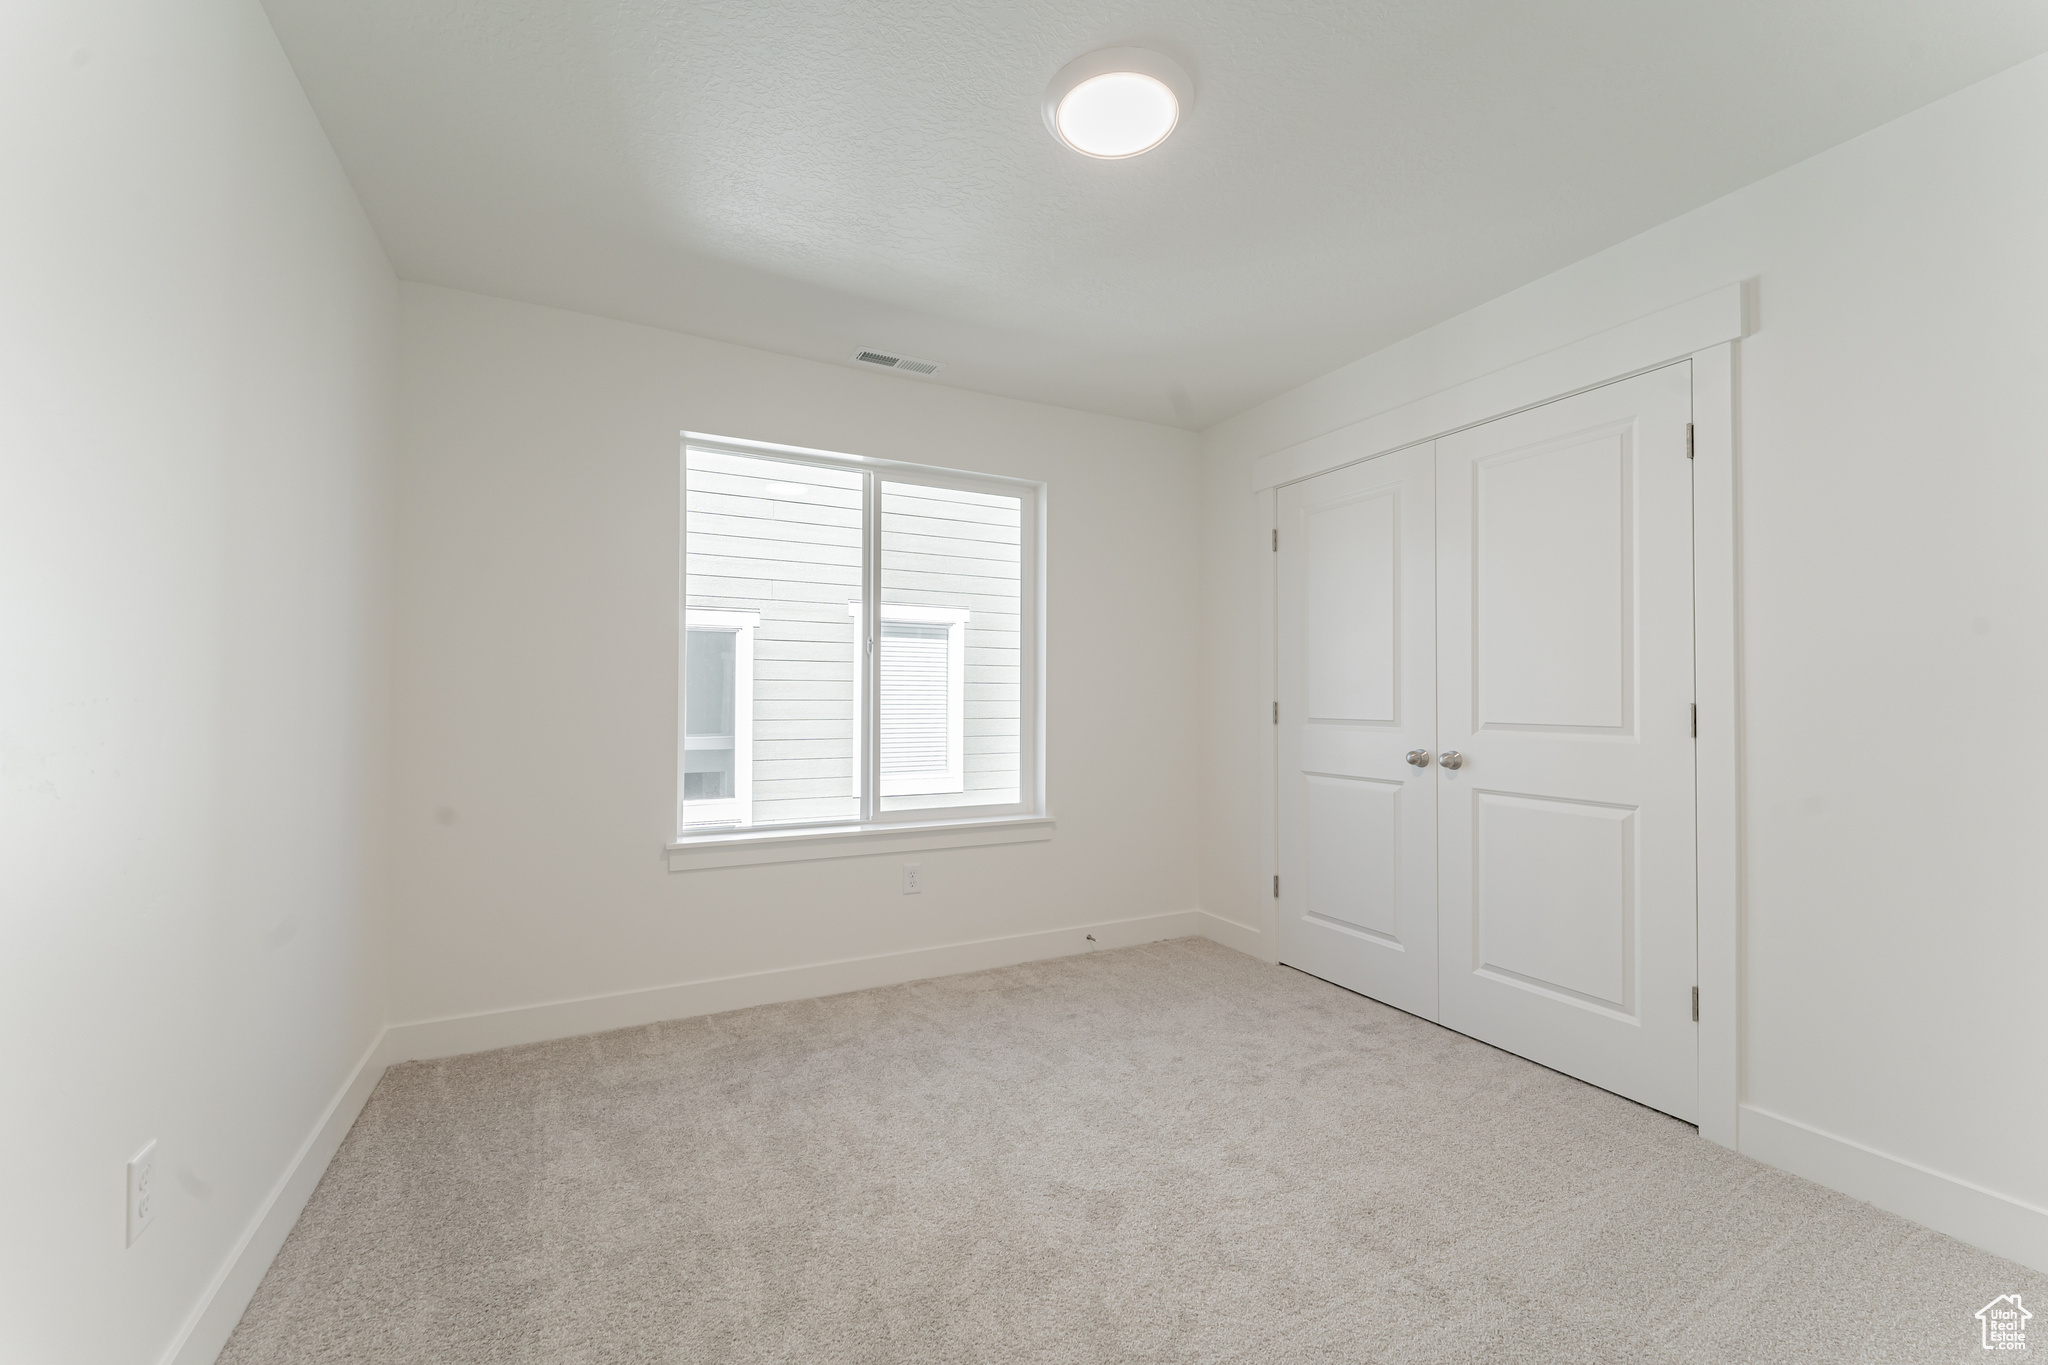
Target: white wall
<point>537,682</point>
<point>196,343</point>
<point>1894,503</point>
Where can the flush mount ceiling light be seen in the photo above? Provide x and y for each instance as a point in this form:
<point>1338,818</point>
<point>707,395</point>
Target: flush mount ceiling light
<point>1117,102</point>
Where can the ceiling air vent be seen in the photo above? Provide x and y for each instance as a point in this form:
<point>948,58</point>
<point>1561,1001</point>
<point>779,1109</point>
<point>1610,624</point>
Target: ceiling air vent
<point>897,362</point>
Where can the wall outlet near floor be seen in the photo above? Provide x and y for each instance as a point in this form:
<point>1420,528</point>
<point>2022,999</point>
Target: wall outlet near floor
<point>913,878</point>
<point>141,1191</point>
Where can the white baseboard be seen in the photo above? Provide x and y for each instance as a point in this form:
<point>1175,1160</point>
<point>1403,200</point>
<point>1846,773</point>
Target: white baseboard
<point>1232,934</point>
<point>1969,1213</point>
<point>225,1299</point>
<point>431,1038</point>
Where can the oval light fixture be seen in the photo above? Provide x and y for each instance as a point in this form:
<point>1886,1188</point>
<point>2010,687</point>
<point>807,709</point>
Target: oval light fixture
<point>1117,102</point>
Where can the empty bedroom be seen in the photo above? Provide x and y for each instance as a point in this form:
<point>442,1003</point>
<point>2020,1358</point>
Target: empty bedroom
<point>1146,681</point>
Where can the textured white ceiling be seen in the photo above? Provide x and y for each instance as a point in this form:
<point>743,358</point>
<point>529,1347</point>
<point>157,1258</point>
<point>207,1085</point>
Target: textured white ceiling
<point>812,178</point>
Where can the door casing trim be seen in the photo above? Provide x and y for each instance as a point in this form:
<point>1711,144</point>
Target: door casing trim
<point>1648,343</point>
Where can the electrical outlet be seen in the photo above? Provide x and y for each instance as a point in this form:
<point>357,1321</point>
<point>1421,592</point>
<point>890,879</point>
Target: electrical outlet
<point>913,878</point>
<point>141,1191</point>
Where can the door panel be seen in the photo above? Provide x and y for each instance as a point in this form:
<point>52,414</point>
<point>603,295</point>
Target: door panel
<point>1357,692</point>
<point>1552,905</point>
<point>1552,590</point>
<point>1353,876</point>
<point>1565,679</point>
<point>1351,545</point>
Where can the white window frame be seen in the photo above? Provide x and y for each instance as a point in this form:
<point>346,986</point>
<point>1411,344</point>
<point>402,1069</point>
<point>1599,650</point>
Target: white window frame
<point>953,777</point>
<point>737,810</point>
<point>879,830</point>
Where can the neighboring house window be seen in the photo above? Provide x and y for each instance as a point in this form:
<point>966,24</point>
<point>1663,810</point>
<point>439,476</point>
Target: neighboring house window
<point>804,705</point>
<point>718,708</point>
<point>924,698</point>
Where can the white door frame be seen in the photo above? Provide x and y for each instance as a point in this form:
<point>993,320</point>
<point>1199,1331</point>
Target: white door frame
<point>1706,331</point>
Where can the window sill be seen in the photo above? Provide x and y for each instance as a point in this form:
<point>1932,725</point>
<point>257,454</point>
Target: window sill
<point>744,847</point>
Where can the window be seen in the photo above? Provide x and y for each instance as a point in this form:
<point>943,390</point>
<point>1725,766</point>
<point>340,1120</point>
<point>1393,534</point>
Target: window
<point>804,705</point>
<point>924,699</point>
<point>718,707</point>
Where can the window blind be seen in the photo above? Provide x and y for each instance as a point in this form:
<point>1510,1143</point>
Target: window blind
<point>915,661</point>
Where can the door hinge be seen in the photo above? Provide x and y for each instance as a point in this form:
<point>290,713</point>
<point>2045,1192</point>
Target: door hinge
<point>1695,720</point>
<point>1276,713</point>
<point>1695,1004</point>
<point>1276,886</point>
<point>1276,537</point>
<point>1688,440</point>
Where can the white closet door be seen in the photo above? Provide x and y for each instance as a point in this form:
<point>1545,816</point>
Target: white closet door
<point>1357,695</point>
<point>1564,589</point>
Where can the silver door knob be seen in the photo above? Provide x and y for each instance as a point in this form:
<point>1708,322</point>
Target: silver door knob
<point>1419,757</point>
<point>1451,758</point>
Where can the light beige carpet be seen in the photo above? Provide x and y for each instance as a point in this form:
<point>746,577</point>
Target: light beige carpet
<point>1167,1153</point>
